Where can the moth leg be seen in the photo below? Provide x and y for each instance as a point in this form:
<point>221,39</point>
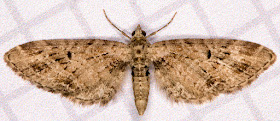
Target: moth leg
<point>163,26</point>
<point>115,25</point>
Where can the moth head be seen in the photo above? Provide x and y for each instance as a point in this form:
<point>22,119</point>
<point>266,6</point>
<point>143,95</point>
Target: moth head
<point>138,31</point>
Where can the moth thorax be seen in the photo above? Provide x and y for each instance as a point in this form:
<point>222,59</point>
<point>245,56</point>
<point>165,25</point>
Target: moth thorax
<point>139,41</point>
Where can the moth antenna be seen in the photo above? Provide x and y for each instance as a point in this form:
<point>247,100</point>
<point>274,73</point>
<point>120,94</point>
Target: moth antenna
<point>115,25</point>
<point>163,26</point>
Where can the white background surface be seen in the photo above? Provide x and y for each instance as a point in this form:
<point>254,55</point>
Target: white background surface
<point>27,20</point>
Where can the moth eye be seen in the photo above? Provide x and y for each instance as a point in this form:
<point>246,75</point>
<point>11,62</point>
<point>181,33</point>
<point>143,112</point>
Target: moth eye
<point>133,33</point>
<point>144,33</point>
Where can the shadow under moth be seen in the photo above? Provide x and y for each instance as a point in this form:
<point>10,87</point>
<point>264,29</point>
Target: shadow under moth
<point>91,71</point>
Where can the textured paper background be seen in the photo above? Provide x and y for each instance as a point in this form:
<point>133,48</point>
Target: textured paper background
<point>27,20</point>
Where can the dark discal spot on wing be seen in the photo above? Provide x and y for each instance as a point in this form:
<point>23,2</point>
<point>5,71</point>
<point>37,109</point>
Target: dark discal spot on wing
<point>69,54</point>
<point>209,54</point>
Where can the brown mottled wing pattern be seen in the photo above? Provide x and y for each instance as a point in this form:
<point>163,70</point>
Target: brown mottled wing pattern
<point>197,70</point>
<point>85,71</point>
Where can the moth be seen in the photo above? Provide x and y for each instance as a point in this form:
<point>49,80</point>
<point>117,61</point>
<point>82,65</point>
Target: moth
<point>91,71</point>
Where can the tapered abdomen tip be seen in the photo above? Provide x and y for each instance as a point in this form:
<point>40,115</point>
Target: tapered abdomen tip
<point>141,106</point>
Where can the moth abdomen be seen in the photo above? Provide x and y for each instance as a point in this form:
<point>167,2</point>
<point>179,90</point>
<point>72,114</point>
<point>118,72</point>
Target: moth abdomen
<point>141,87</point>
<point>140,76</point>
